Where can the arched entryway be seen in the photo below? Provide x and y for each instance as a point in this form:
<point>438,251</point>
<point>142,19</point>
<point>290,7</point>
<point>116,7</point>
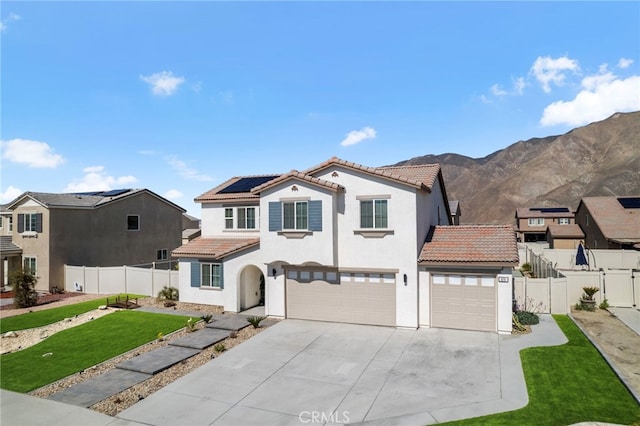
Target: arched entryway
<point>251,287</point>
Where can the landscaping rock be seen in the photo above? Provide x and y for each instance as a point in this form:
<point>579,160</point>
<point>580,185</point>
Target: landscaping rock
<point>102,307</point>
<point>10,334</point>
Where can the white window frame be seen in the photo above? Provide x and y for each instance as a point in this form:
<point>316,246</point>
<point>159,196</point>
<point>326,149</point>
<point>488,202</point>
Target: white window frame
<point>228,218</point>
<point>376,205</point>
<point>536,221</point>
<point>242,221</point>
<point>31,260</point>
<point>300,221</point>
<point>214,279</point>
<point>564,221</point>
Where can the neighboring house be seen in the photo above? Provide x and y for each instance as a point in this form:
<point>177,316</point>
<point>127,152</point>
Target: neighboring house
<point>454,208</point>
<point>610,222</point>
<point>564,236</point>
<point>532,222</point>
<point>105,228</point>
<point>338,242</point>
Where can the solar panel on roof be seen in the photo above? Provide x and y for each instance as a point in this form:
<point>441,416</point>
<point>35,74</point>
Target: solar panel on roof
<point>550,209</point>
<point>114,192</point>
<point>245,184</point>
<point>630,203</point>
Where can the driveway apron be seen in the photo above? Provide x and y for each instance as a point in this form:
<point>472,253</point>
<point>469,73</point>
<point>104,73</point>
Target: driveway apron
<point>302,372</point>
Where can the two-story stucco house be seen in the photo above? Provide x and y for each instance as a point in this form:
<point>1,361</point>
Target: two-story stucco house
<point>532,222</point>
<point>338,242</point>
<point>45,231</point>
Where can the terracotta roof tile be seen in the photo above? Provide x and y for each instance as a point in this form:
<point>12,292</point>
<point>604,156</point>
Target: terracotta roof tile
<point>421,176</point>
<point>294,174</point>
<point>215,248</point>
<point>474,244</point>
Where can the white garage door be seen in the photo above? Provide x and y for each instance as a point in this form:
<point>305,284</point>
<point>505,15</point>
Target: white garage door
<point>359,298</point>
<point>464,302</point>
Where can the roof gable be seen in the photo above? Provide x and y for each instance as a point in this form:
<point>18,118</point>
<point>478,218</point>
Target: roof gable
<point>298,176</point>
<point>614,220</point>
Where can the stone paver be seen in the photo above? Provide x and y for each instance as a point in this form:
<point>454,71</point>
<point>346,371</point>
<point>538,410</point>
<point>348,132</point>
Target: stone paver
<point>158,360</point>
<point>94,390</point>
<point>229,322</point>
<point>201,339</point>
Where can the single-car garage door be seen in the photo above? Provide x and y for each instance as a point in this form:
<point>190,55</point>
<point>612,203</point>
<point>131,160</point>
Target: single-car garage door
<point>359,298</point>
<point>464,302</point>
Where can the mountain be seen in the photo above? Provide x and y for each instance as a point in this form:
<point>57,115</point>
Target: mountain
<point>601,158</point>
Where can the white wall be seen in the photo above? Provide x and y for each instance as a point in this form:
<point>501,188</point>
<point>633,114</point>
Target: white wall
<point>213,221</point>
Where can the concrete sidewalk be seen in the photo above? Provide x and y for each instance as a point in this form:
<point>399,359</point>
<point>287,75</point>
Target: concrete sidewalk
<point>349,373</point>
<point>629,316</point>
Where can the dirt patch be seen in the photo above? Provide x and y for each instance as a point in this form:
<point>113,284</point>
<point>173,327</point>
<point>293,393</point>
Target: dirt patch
<point>616,340</point>
<point>50,300</point>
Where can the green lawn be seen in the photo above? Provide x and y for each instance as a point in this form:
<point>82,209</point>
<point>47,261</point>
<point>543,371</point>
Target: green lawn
<point>50,316</point>
<point>83,346</point>
<point>568,384</point>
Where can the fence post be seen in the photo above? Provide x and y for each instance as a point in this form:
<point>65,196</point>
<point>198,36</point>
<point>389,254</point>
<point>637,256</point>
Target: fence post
<point>124,268</point>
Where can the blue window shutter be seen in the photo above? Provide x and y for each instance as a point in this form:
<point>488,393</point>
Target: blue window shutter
<point>39,223</point>
<point>315,215</point>
<point>195,273</point>
<point>275,216</point>
<point>20,223</point>
<point>222,275</point>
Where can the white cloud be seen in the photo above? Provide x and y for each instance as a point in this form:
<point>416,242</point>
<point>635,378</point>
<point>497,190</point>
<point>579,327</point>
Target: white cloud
<point>95,179</point>
<point>34,154</point>
<point>519,84</point>
<point>625,63</point>
<point>4,24</point>
<point>173,194</point>
<point>357,136</point>
<point>10,194</point>
<point>497,90</point>
<point>602,96</point>
<point>548,70</point>
<point>163,83</point>
<point>182,169</point>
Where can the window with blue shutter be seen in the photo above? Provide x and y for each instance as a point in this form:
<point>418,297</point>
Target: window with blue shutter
<point>315,215</point>
<point>275,216</point>
<point>195,273</point>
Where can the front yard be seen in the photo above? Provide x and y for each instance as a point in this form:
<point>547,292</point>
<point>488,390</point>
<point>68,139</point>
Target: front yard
<point>81,347</point>
<point>568,384</point>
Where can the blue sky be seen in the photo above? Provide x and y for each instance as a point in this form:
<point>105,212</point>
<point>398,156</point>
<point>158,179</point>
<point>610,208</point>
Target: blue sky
<point>177,97</point>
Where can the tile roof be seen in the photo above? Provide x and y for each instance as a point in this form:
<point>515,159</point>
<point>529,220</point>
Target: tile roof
<point>7,246</point>
<point>470,244</point>
<point>294,174</point>
<point>215,195</point>
<point>567,231</point>
<point>215,248</point>
<point>615,222</point>
<point>421,176</point>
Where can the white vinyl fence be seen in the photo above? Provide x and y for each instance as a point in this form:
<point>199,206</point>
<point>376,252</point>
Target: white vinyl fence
<point>621,287</point>
<point>118,279</point>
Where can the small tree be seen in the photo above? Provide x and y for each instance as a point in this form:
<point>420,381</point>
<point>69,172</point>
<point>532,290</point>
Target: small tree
<point>23,283</point>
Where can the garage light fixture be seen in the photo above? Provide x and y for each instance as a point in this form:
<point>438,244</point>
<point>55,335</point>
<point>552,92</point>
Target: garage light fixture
<point>273,272</point>
<point>405,279</point>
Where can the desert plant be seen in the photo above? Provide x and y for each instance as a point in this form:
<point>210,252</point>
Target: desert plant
<point>233,334</point>
<point>220,347</point>
<point>168,293</point>
<point>516,323</point>
<point>255,321</point>
<point>206,318</point>
<point>589,292</point>
<point>604,304</point>
<point>526,267</point>
<point>191,325</point>
<point>23,283</point>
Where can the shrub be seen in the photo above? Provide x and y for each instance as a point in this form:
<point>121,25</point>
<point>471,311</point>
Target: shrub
<point>604,304</point>
<point>23,283</point>
<point>206,318</point>
<point>526,267</point>
<point>527,318</point>
<point>589,292</point>
<point>191,326</point>
<point>255,321</point>
<point>168,293</point>
<point>220,347</point>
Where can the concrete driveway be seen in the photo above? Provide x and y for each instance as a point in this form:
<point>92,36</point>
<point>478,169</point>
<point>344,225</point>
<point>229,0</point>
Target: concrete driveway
<point>302,372</point>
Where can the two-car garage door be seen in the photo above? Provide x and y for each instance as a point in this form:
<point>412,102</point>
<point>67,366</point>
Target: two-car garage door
<point>329,295</point>
<point>463,301</point>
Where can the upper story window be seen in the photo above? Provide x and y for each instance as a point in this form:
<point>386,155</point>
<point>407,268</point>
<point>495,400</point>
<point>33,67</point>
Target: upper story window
<point>10,223</point>
<point>29,222</point>
<point>162,254</point>
<point>1,221</point>
<point>245,218</point>
<point>374,214</point>
<point>295,215</point>
<point>563,221</point>
<point>536,221</point>
<point>133,222</point>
